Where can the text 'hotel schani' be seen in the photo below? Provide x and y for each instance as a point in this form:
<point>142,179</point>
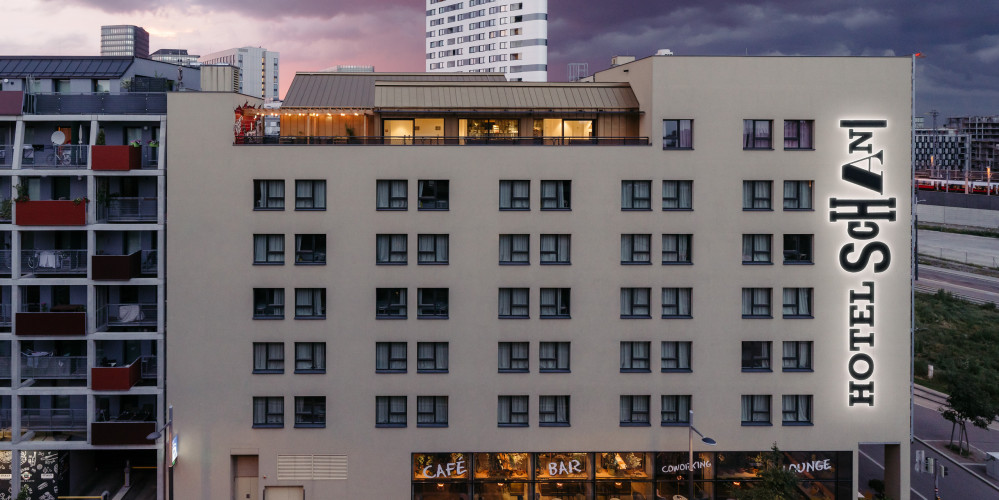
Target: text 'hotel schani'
<point>458,287</point>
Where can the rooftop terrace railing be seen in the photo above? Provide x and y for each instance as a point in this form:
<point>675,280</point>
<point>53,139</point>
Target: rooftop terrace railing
<point>379,140</point>
<point>128,103</point>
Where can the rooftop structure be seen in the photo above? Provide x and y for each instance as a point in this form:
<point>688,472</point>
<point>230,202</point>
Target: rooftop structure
<point>258,69</point>
<point>175,56</point>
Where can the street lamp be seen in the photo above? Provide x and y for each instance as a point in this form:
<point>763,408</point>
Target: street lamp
<point>690,447</point>
<point>153,436</point>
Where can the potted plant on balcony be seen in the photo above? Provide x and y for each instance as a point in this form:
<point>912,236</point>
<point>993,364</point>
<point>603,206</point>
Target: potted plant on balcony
<point>100,138</point>
<point>135,144</point>
<point>22,193</point>
<point>82,199</point>
<point>154,143</point>
<point>5,209</point>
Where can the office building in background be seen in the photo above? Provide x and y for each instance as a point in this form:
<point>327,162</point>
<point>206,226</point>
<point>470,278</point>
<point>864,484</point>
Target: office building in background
<point>175,56</point>
<point>124,40</point>
<point>258,69</point>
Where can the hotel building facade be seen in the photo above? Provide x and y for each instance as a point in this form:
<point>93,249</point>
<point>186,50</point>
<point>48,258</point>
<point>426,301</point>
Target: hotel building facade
<point>455,287</point>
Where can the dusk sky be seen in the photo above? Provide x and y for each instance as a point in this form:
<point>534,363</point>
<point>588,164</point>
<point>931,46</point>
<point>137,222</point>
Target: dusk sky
<point>959,74</point>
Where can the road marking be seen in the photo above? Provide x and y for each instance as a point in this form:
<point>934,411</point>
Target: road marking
<point>882,468</point>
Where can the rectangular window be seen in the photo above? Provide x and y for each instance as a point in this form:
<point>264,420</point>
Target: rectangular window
<point>756,248</point>
<point>797,356</point>
<point>514,303</point>
<point>390,411</point>
<point>514,249</point>
<point>797,302</point>
<point>677,248</point>
<point>555,248</point>
<point>268,303</point>
<point>310,411</point>
<point>678,195</point>
<point>634,411</point>
<point>390,357</point>
<point>310,195</point>
<point>390,249</point>
<point>676,303</point>
<point>514,357</point>
<point>433,195</point>
<point>678,134</point>
<point>310,303</point>
<point>796,409</point>
<point>268,357</point>
<point>756,303</point>
<point>431,357</point>
<point>676,356</point>
<point>431,303</point>
<point>636,195</point>
<point>512,411</point>
<point>636,248</point>
<point>310,249</point>
<point>268,412</point>
<point>555,302</point>
<point>431,411</point>
<point>553,357</point>
<point>391,195</point>
<point>556,195</point>
<point>310,357</point>
<point>268,195</point>
<point>756,356</point>
<point>268,249</point>
<point>676,410</point>
<point>797,249</point>
<point>635,302</point>
<point>798,134</point>
<point>756,134</point>
<point>756,409</point>
<point>798,195</point>
<point>553,411</point>
<point>756,195</point>
<point>390,303</point>
<point>432,249</point>
<point>515,195</point>
<point>635,357</point>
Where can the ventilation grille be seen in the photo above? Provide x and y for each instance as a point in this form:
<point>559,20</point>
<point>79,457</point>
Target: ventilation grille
<point>312,467</point>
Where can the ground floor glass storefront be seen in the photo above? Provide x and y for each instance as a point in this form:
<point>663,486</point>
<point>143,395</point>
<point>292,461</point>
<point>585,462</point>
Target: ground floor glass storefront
<point>822,475</point>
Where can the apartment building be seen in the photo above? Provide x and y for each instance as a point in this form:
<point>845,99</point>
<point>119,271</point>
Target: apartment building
<point>937,151</point>
<point>984,132</point>
<point>124,40</point>
<point>453,286</point>
<point>489,36</point>
<point>258,69</point>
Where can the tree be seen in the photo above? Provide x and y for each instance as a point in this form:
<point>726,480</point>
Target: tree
<point>776,482</point>
<point>971,399</point>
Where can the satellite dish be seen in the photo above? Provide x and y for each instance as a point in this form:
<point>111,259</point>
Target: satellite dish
<point>58,137</point>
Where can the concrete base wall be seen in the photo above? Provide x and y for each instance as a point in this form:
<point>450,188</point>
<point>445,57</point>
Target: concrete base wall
<point>975,217</point>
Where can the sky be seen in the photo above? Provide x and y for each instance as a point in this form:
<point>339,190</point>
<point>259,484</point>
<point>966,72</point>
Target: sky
<point>958,75</point>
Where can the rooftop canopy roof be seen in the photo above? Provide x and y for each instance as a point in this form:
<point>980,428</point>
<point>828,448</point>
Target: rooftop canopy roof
<point>357,90</point>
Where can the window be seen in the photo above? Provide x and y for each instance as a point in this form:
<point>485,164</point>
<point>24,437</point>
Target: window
<point>797,249</point>
<point>310,195</point>
<point>677,248</point>
<point>390,357</point>
<point>556,195</point>
<point>555,302</point>
<point>268,357</point>
<point>433,195</point>
<point>797,356</point>
<point>676,302</point>
<point>514,357</point>
<point>431,303</point>
<point>678,134</point>
<point>635,357</point>
<point>268,303</point>
<point>268,249</point>
<point>797,302</point>
<point>635,248</point>
<point>431,357</point>
<point>676,356</point>
<point>515,195</point>
<point>268,412</point>
<point>796,409</point>
<point>514,249</point>
<point>678,195</point>
<point>676,410</point>
<point>390,249</point>
<point>636,195</point>
<point>756,195</point>
<point>390,411</point>
<point>431,249</point>
<point>553,411</point>
<point>756,409</point>
<point>635,302</point>
<point>555,248</point>
<point>431,411</point>
<point>512,411</point>
<point>634,411</point>
<point>553,357</point>
<point>310,303</point>
<point>514,302</point>
<point>310,357</point>
<point>310,249</point>
<point>756,356</point>
<point>756,303</point>
<point>798,134</point>
<point>391,195</point>
<point>798,195</point>
<point>756,134</point>
<point>756,248</point>
<point>268,195</point>
<point>390,303</point>
<point>310,411</point>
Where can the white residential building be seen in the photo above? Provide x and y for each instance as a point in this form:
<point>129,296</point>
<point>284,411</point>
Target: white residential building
<point>258,69</point>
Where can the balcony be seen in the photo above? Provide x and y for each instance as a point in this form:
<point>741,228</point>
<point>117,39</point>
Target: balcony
<point>136,103</point>
<point>5,322</point>
<point>61,156</point>
<point>5,262</point>
<point>43,365</point>
<point>379,140</point>
<point>116,378</point>
<point>121,432</point>
<point>54,420</point>
<point>62,320</point>
<point>51,213</point>
<point>128,209</point>
<point>116,158</point>
<point>6,156</point>
<point>127,317</point>
<point>117,267</point>
<point>149,262</point>
<point>41,262</point>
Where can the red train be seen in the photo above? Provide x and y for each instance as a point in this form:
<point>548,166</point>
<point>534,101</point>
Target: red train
<point>958,186</point>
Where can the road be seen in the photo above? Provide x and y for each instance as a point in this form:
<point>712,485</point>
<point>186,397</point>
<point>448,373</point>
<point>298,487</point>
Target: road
<point>978,250</point>
<point>975,287</point>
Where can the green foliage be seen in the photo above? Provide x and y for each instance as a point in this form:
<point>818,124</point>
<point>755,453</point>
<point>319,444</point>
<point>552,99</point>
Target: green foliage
<point>5,209</point>
<point>100,137</point>
<point>22,193</point>
<point>878,486</point>
<point>775,481</point>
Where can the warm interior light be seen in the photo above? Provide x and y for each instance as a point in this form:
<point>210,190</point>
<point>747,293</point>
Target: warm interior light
<point>343,114</point>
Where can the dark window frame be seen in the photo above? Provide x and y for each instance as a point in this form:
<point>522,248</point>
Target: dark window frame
<point>262,198</point>
<point>634,257</point>
<point>524,307</point>
<point>391,358</point>
<point>437,362</point>
<point>555,257</point>
<point>385,308</point>
<point>757,356</point>
<point>263,422</point>
<point>311,198</point>
<point>676,143</point>
<point>676,309</point>
<point>635,416</point>
<point>679,359</point>
<point>394,250</point>
<point>754,256</point>
<point>310,249</point>
<point>269,252</point>
<point>562,200</point>
<point>515,203</point>
<point>434,417</point>
<point>753,135</point>
<point>799,400</point>
<point>437,241</point>
<point>636,200</point>
<point>556,362</point>
<point>561,306</point>
<point>268,359</point>
<point>794,141</point>
<point>433,194</point>
<point>801,201</point>
<point>552,415</point>
<point>678,199</point>
<point>507,240</point>
<point>391,418</point>
<point>796,361</point>
<point>754,411</point>
<point>755,306</point>
<point>313,414</point>
<point>391,201</point>
<point>432,303</point>
<point>315,362</point>
<point>798,249</point>
<point>632,360</point>
<point>515,364</point>
<point>265,299</point>
<point>753,202</point>
<point>632,304</point>
<point>668,253</point>
<point>677,417</point>
<point>515,419</point>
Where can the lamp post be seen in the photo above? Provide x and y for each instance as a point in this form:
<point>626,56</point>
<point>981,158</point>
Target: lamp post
<point>167,457</point>
<point>690,447</point>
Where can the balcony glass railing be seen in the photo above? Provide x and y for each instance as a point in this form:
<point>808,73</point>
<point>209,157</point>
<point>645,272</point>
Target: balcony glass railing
<point>147,367</point>
<point>5,315</point>
<point>96,103</point>
<point>43,365</point>
<point>5,261</point>
<point>50,156</point>
<point>380,140</point>
<point>128,209</point>
<point>149,262</point>
<point>53,419</point>
<point>126,315</point>
<point>53,261</point>
<point>6,156</point>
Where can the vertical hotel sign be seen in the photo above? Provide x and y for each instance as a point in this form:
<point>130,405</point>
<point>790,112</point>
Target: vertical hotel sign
<point>864,253</point>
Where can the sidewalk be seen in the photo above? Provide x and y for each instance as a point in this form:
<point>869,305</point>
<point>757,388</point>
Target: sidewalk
<point>974,464</point>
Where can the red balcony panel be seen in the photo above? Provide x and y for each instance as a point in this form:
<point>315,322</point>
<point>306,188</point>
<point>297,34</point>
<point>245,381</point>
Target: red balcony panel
<point>116,267</point>
<point>51,213</point>
<point>115,378</point>
<point>51,323</point>
<point>102,433</point>
<point>115,158</point>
